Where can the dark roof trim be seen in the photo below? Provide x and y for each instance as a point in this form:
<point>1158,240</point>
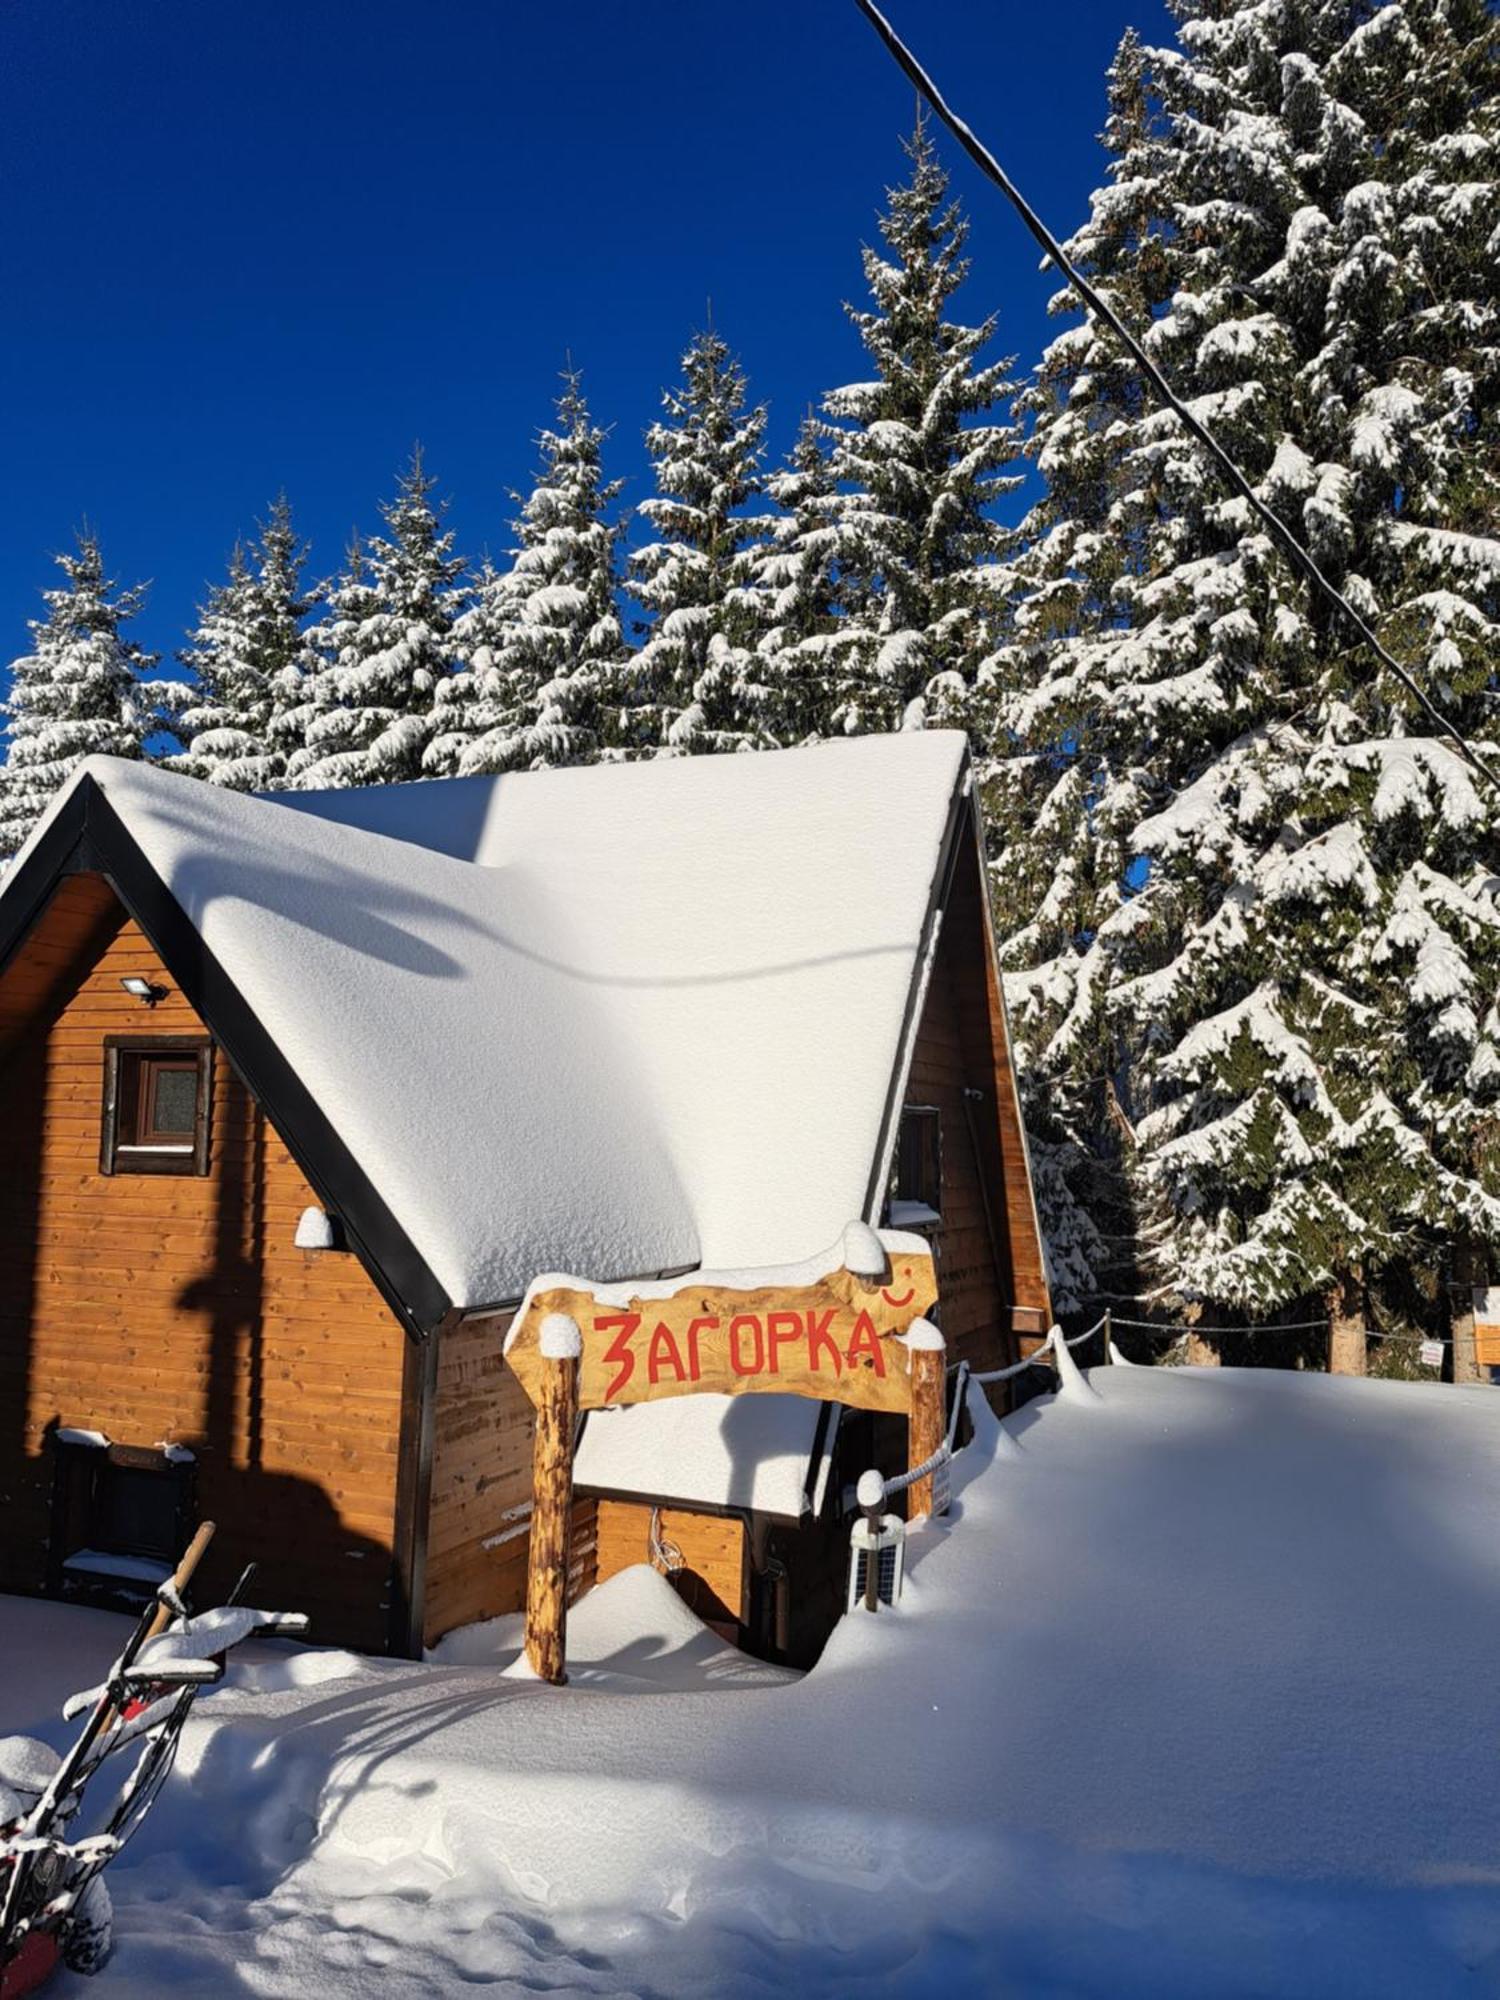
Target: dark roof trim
<point>87,833</point>
<point>937,898</point>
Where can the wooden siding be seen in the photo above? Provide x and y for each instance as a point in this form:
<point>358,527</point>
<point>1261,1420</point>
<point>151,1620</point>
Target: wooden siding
<point>715,1576</point>
<point>480,1507</point>
<point>156,1307</point>
<point>989,1260</point>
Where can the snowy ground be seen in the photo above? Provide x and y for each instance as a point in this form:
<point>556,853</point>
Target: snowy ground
<point>1194,1693</point>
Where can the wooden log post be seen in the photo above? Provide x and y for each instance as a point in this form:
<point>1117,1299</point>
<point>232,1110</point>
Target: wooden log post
<point>560,1345</point>
<point>929,1353</point>
<point>1346,1326</point>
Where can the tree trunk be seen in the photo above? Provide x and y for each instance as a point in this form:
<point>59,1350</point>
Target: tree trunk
<point>1463,1277</point>
<point>551,1516</point>
<point>1201,1353</point>
<point>1346,1326</point>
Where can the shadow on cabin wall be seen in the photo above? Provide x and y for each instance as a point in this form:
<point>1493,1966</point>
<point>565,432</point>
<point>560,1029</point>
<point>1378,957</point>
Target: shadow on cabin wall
<point>307,1558</point>
<point>24,1502</point>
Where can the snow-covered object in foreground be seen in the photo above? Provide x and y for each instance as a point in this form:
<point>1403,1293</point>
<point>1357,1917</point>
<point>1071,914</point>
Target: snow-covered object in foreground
<point>631,983</point>
<point>1066,1762</point>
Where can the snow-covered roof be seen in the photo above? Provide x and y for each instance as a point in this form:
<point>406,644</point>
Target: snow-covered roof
<point>762,1452</point>
<point>619,1020</point>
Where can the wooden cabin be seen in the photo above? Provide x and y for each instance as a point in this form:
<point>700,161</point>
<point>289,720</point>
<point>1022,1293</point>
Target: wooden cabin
<point>301,1092</point>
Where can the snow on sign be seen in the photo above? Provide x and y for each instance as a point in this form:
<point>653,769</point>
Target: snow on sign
<point>830,1328</point>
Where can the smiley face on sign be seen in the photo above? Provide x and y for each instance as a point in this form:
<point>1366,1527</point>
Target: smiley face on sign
<point>835,1336</point>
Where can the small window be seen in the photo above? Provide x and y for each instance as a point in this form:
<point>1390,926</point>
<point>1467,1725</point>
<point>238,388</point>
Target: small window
<point>917,1178</point>
<point>121,1515</point>
<point>156,1105</point>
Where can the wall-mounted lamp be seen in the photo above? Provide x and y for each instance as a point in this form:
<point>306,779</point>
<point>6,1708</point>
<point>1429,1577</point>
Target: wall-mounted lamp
<point>143,990</point>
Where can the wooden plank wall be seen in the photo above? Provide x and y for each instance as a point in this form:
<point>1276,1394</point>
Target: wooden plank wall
<point>971,1304</point>
<point>156,1307</point>
<point>480,1510</point>
<point>986,1268</point>
<point>715,1577</point>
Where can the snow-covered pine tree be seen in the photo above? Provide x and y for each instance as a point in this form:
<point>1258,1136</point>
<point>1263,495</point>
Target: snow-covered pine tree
<point>385,650</point>
<point>542,645</point>
<point>794,574</point>
<point>1259,897</point>
<point>245,652</point>
<point>916,460</point>
<point>696,682</point>
<point>83,690</point>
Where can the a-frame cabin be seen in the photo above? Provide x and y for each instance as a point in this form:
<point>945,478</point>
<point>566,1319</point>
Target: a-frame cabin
<point>300,1092</point>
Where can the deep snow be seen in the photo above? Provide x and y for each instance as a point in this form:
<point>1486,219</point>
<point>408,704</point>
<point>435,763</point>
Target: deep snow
<point>1193,1693</point>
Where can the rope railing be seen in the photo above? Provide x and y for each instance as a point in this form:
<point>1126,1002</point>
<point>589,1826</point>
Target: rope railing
<point>965,1375</point>
<point>1177,1328</point>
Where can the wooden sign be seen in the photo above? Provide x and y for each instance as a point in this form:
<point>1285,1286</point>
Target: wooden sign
<point>836,1337</point>
<point>834,1329</point>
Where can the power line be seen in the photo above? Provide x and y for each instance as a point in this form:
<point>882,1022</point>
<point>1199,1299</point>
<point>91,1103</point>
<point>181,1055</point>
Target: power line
<point>1291,547</point>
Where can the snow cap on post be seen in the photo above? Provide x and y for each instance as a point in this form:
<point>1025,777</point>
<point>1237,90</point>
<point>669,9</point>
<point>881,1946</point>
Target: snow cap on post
<point>924,1337</point>
<point>864,1253</point>
<point>1070,1377</point>
<point>870,1492</point>
<point>560,1338</point>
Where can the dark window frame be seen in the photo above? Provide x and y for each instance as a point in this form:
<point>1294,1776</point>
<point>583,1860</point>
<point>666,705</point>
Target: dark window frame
<point>84,1495</point>
<point>930,1117</point>
<point>123,1057</point>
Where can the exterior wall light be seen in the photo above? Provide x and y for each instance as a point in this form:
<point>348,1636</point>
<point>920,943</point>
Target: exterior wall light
<point>143,990</point>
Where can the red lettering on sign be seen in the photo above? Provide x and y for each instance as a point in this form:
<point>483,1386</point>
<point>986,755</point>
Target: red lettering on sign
<point>618,1353</point>
<point>662,1354</point>
<point>904,1300</point>
<point>711,1321</point>
<point>821,1343</point>
<point>781,1328</point>
<point>752,1321</point>
<point>865,1340</point>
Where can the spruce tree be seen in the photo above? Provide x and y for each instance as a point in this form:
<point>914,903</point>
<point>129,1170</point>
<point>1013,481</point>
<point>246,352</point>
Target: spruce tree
<point>542,645</point>
<point>916,460</point>
<point>384,650</point>
<point>246,652</point>
<point>794,574</point>
<point>81,691</point>
<point>1274,921</point>
<point>697,684</point>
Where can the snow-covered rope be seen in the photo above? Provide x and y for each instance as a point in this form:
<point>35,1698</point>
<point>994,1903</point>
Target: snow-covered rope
<point>867,1495</point>
<point>1289,543</point>
<point>944,1452</point>
<point>1037,1356</point>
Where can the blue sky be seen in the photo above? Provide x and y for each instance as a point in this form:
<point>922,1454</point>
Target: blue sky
<point>254,244</point>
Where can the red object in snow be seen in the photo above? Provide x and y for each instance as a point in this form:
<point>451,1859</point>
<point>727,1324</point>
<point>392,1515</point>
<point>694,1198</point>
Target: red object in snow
<point>32,1966</point>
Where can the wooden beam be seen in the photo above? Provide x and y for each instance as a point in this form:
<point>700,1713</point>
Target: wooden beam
<point>929,1353</point>
<point>559,1347</point>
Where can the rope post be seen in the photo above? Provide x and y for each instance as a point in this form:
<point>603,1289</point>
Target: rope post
<point>870,1495</point>
<point>560,1345</point>
<point>928,1351</point>
<point>1109,1335</point>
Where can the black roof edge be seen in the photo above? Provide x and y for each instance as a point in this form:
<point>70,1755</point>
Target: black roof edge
<point>937,898</point>
<point>87,832</point>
